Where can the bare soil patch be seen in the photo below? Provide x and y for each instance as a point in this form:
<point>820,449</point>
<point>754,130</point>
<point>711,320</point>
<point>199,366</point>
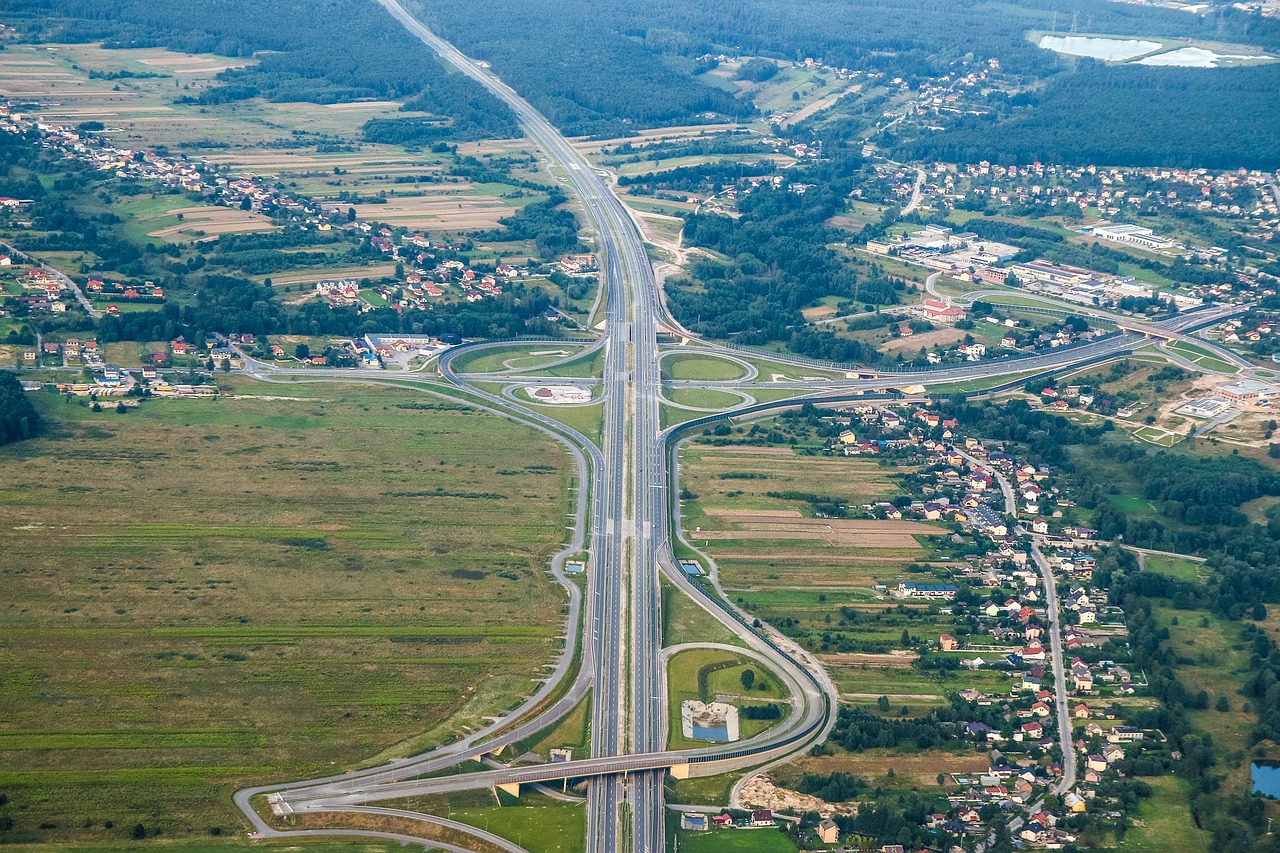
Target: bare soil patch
<point>891,660</point>
<point>936,338</point>
<point>215,220</point>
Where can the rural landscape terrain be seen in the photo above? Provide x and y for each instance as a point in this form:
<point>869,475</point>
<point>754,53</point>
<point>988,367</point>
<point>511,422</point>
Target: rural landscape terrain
<point>601,426</point>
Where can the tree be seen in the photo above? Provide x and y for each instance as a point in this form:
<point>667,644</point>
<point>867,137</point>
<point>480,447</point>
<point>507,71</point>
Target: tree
<point>942,778</point>
<point>6,823</point>
<point>905,640</point>
<point>121,408</point>
<point>748,678</point>
<point>351,214</point>
<point>1222,704</point>
<point>302,352</point>
<point>883,704</point>
<point>97,407</point>
<point>139,831</point>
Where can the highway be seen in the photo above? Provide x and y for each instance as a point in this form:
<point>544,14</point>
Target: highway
<point>626,488</point>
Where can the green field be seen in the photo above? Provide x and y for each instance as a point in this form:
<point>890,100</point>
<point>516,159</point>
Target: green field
<point>1212,659</point>
<point>703,398</point>
<point>1201,357</point>
<point>1168,827</point>
<point>700,367</point>
<point>206,593</point>
<point>497,359</point>
<point>684,621</point>
<point>1187,570</point>
<point>731,840</point>
<point>573,731</point>
<point>705,673</point>
<point>537,823</point>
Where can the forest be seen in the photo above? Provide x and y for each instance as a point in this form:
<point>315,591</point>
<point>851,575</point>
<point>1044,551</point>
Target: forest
<point>780,264</point>
<point>1128,116</point>
<point>328,52</point>
<point>18,418</point>
<point>633,61</point>
<point>551,227</point>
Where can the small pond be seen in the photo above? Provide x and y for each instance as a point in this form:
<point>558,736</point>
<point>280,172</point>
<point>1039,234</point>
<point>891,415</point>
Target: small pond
<point>1266,778</point>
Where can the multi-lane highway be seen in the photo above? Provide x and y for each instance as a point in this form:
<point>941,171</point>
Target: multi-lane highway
<point>625,498</point>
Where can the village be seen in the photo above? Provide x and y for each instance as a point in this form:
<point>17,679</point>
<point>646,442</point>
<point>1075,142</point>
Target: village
<point>1030,573</point>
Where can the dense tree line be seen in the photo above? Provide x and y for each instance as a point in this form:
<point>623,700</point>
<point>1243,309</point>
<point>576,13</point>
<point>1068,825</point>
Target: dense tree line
<point>713,176</point>
<point>573,63</point>
<point>328,52</point>
<point>1221,119</point>
<point>18,418</point>
<point>551,226</point>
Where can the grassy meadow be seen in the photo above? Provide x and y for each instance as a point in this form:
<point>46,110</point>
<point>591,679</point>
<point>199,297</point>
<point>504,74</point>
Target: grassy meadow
<point>205,593</point>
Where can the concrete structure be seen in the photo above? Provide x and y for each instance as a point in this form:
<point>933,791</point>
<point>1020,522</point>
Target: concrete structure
<point>714,721</point>
<point>1244,391</point>
<point>1205,407</point>
<point>1133,235</point>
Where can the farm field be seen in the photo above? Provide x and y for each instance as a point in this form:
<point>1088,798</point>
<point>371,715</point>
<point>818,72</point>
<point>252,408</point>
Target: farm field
<point>205,593</point>
<point>911,768</point>
<point>281,141</point>
<point>750,511</point>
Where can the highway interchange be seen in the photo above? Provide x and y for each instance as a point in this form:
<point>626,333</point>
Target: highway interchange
<point>624,519</point>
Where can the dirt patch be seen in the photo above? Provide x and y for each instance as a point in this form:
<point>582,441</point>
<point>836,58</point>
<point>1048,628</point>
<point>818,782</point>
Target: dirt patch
<point>763,793</point>
<point>818,312</point>
<point>892,660</point>
<point>936,338</point>
<point>919,770</point>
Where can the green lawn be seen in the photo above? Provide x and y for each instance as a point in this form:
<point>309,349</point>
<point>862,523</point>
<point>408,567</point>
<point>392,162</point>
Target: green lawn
<point>537,823</point>
<point>690,366</point>
<point>684,621</point>
<point>1132,504</point>
<point>703,398</point>
<point>702,790</point>
<point>735,840</point>
<point>1201,356</point>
